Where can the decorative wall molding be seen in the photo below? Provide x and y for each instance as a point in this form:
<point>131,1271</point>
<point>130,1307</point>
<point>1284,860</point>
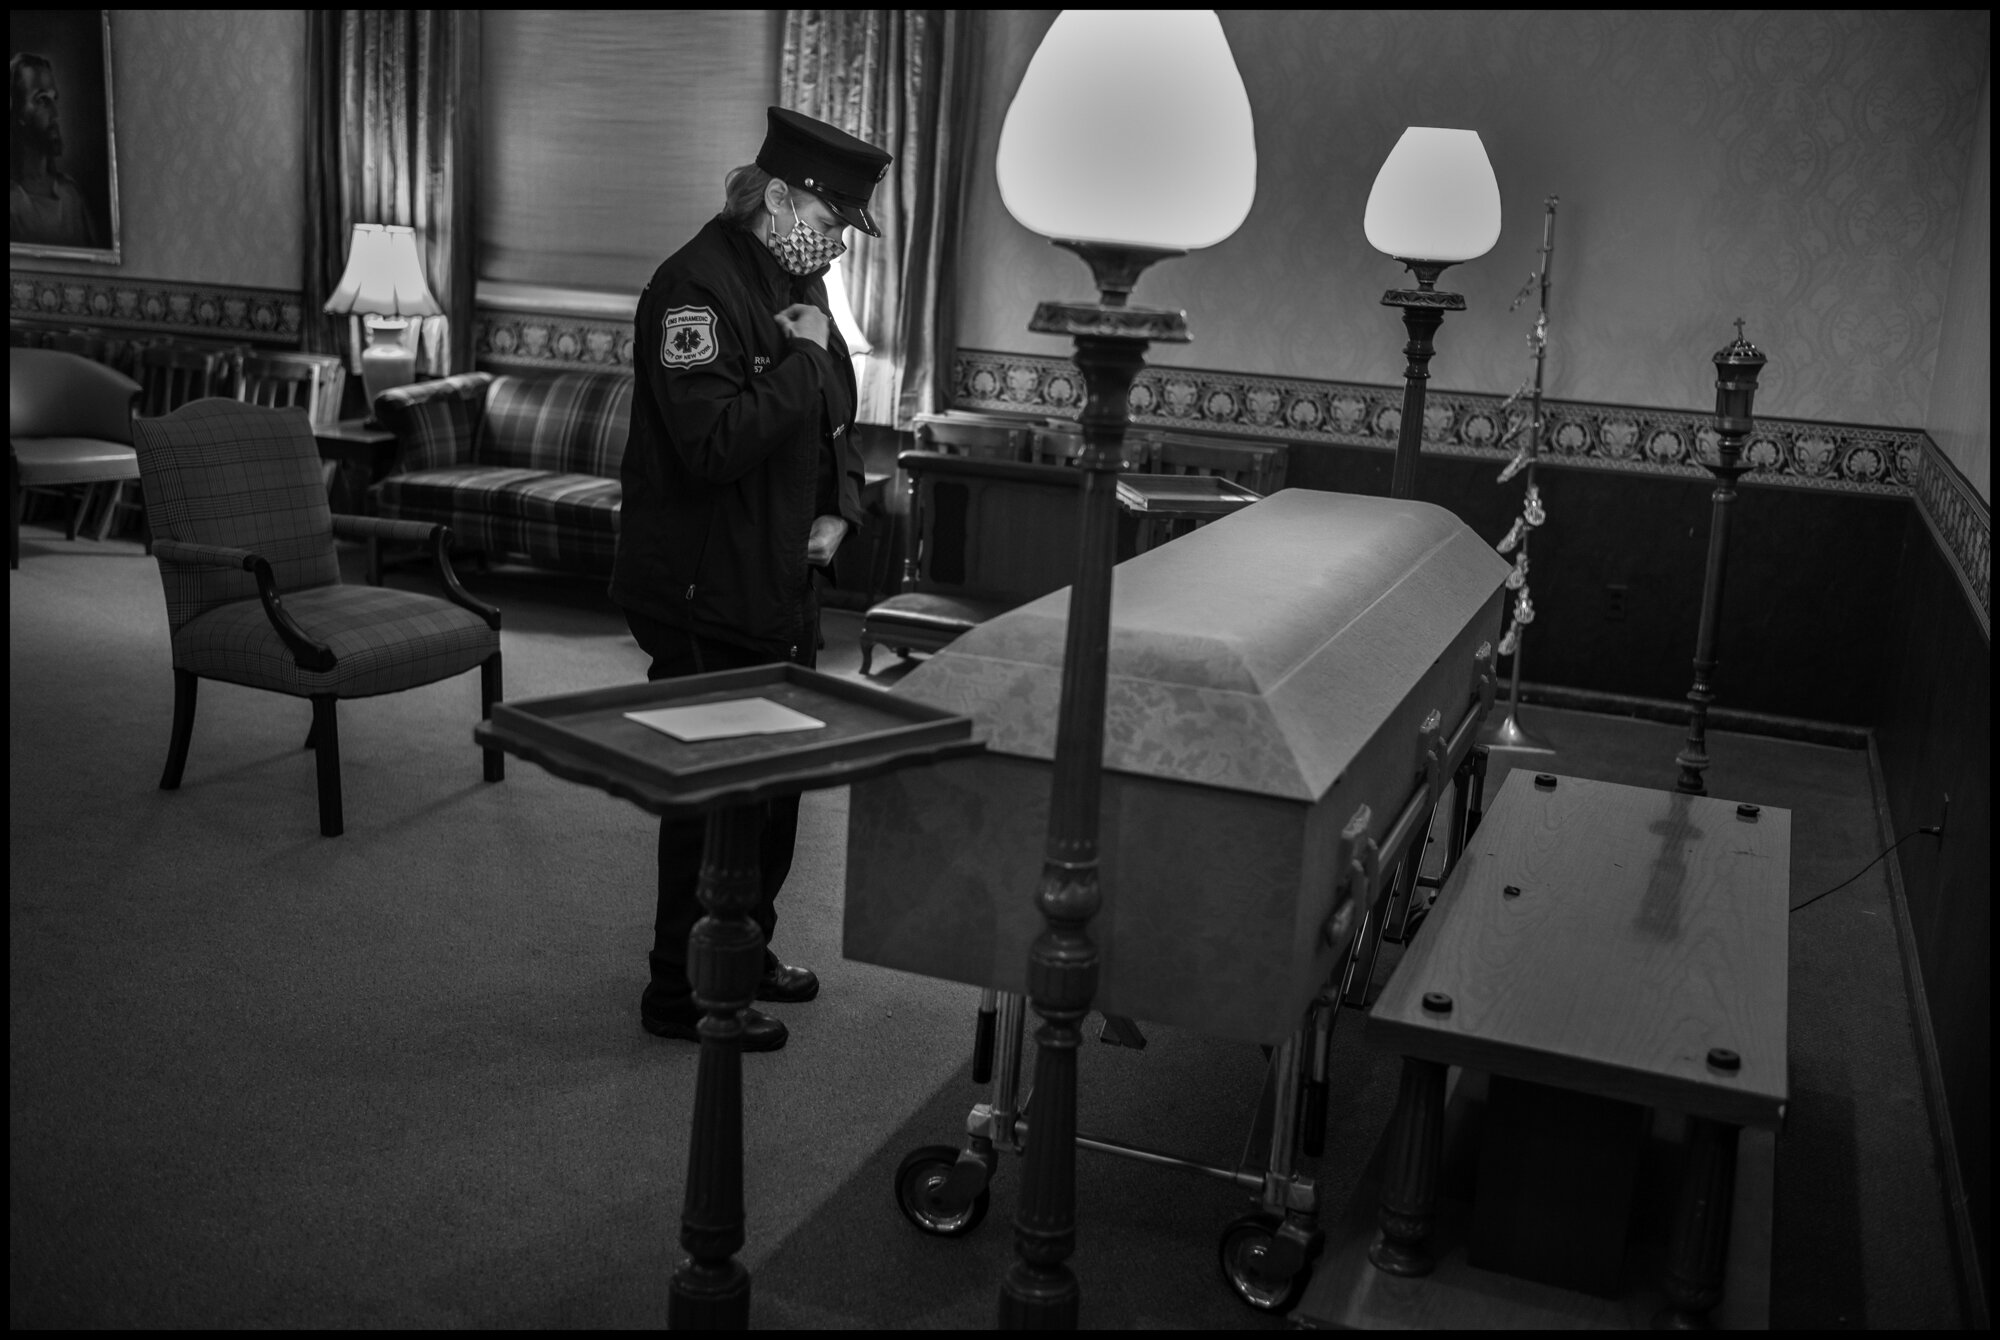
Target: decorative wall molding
<point>210,311</point>
<point>506,341</point>
<point>1799,453</point>
<point>1962,523</point>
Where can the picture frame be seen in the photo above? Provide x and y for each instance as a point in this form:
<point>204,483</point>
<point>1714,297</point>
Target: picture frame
<point>62,189</point>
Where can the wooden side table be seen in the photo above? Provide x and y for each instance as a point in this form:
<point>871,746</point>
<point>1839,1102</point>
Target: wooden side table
<point>588,738</point>
<point>1623,944</point>
<point>360,454</point>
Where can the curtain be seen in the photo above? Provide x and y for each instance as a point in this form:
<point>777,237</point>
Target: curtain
<point>392,101</point>
<point>900,79</point>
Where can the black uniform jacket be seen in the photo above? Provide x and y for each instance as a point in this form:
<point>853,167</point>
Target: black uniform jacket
<point>741,435</point>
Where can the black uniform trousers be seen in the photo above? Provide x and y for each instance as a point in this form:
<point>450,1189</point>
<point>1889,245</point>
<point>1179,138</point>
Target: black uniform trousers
<point>677,652</point>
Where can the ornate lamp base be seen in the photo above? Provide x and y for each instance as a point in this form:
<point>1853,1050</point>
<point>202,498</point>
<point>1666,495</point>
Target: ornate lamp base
<point>1509,734</point>
<point>1040,1292</point>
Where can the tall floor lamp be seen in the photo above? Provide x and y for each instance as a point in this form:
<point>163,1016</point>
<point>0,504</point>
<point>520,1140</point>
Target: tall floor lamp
<point>1435,203</point>
<point>1129,141</point>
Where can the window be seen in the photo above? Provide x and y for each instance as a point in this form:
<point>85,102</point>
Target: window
<point>606,137</point>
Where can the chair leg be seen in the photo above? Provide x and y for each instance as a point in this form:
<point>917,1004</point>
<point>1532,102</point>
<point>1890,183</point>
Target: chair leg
<point>82,506</point>
<point>111,506</point>
<point>185,684</point>
<point>489,694</point>
<point>326,744</point>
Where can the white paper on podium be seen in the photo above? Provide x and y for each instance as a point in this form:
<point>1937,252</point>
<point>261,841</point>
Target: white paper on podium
<point>720,721</point>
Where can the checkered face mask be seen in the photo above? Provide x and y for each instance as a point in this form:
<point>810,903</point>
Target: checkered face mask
<point>804,251</point>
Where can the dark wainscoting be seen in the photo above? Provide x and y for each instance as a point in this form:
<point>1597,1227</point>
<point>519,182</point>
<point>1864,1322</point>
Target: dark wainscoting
<point>1810,572</point>
<point>1934,734</point>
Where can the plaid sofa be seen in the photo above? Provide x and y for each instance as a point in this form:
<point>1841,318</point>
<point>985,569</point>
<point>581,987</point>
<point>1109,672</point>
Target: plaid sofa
<point>517,466</point>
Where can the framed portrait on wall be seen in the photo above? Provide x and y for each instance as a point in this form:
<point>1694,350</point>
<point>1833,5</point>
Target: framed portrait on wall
<point>62,160</point>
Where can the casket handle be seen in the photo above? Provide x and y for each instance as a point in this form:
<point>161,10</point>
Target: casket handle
<point>1437,753</point>
<point>1357,864</point>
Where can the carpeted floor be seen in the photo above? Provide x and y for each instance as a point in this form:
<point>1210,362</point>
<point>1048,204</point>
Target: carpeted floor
<point>259,1078</point>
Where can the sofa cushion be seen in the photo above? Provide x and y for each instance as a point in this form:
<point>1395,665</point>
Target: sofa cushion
<point>558,519</point>
<point>435,422</point>
<point>574,424</point>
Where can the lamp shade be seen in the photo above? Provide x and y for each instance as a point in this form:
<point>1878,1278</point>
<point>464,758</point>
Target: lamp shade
<point>1131,127</point>
<point>1435,198</point>
<point>383,276</point>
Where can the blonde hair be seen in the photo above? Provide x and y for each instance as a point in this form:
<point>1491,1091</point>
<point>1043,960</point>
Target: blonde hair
<point>743,192</point>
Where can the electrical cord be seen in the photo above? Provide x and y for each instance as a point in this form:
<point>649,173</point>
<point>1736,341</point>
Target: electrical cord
<point>1866,868</point>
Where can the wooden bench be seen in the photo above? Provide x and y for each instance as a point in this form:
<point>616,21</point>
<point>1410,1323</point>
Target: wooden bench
<point>1614,959</point>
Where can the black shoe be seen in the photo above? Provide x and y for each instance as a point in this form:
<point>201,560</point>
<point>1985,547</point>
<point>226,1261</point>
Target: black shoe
<point>787,986</point>
<point>761,1033</point>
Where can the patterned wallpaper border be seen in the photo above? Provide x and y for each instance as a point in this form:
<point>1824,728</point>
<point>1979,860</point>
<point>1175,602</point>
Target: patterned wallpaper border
<point>209,310</point>
<point>1798,453</point>
<point>1962,523</point>
<point>534,342</point>
<point>1581,434</point>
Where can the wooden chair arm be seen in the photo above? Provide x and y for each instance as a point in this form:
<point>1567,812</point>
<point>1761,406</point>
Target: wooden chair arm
<point>308,654</point>
<point>436,536</point>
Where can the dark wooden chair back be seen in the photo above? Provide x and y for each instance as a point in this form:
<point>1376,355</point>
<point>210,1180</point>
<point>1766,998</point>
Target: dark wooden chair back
<point>79,342</point>
<point>965,433</point>
<point>1259,466</point>
<point>172,375</point>
<point>989,530</point>
<point>1060,442</point>
<point>311,382</point>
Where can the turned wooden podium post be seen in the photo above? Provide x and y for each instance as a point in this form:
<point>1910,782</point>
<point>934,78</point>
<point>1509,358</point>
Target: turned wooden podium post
<point>591,738</point>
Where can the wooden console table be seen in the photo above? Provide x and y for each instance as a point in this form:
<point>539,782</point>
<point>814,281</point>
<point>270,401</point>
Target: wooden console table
<point>1621,949</point>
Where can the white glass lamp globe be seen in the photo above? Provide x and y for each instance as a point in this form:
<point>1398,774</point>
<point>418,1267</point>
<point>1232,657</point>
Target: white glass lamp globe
<point>1435,198</point>
<point>1131,127</point>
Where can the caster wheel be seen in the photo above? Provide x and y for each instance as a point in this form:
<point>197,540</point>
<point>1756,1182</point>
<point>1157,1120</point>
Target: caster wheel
<point>1245,1251</point>
<point>920,1182</point>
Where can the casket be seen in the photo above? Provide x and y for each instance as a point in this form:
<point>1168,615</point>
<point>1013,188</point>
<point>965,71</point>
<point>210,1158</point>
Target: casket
<point>1283,683</point>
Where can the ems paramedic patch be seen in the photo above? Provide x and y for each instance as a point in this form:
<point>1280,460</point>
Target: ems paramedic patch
<point>687,337</point>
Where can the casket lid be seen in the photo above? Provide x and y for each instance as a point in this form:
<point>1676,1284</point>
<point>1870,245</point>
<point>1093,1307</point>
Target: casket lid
<point>1260,653</point>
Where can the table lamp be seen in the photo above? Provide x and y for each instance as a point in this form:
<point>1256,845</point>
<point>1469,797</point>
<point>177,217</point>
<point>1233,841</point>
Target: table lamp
<point>384,282</point>
<point>1435,203</point>
<point>1129,141</point>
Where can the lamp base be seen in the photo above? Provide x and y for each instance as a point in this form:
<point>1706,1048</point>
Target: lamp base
<point>386,363</point>
<point>1510,736</point>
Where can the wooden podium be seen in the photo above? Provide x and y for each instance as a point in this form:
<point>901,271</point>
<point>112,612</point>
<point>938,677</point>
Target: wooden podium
<point>590,738</point>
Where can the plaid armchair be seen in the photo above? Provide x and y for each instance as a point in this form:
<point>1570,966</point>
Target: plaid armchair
<point>514,465</point>
<point>244,539</point>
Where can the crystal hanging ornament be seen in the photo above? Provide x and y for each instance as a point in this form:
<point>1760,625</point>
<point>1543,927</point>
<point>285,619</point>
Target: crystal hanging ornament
<point>1513,536</point>
<point>1532,509</point>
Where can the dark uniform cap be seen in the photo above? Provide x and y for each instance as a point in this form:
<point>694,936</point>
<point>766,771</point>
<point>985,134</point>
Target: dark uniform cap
<point>823,159</point>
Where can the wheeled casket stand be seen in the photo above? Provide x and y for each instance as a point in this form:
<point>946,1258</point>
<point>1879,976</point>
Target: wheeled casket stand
<point>1290,691</point>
